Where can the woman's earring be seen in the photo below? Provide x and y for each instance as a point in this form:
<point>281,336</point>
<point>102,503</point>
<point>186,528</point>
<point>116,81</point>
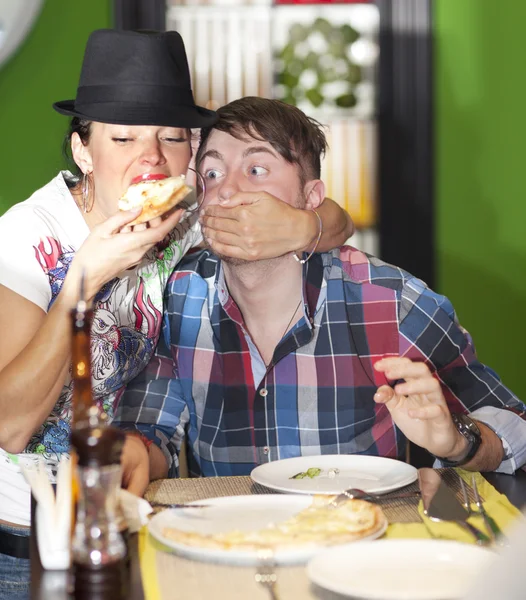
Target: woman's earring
<point>200,189</point>
<point>85,193</point>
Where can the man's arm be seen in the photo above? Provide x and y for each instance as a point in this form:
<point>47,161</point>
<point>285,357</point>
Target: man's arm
<point>152,406</point>
<point>418,407</point>
<point>254,226</point>
<point>490,453</point>
<point>446,364</point>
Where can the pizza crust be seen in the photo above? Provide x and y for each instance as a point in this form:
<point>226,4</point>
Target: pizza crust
<point>317,525</point>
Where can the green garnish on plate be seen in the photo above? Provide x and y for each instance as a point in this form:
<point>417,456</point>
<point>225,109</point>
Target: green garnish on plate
<point>311,473</point>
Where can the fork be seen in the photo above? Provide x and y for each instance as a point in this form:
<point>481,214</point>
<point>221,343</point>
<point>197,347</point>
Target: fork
<point>155,504</point>
<point>496,535</point>
<point>489,521</point>
<point>356,494</point>
<point>467,506</point>
<point>266,573</point>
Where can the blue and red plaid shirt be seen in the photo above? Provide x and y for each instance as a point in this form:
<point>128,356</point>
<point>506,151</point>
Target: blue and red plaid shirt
<point>208,381</point>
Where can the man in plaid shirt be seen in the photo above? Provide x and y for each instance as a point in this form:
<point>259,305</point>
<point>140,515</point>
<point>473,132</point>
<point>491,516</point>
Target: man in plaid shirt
<point>341,354</point>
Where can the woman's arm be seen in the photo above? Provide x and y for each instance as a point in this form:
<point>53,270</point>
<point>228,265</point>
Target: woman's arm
<point>338,226</point>
<point>35,348</point>
<point>34,358</point>
<point>254,226</point>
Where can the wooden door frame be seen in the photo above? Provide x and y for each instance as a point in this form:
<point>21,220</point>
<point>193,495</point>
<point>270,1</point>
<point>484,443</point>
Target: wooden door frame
<point>405,129</point>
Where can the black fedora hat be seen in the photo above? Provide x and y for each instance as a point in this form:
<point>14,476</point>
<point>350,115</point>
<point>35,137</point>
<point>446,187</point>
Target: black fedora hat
<point>136,78</point>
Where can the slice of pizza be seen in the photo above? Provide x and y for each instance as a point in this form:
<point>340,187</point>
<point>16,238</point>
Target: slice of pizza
<point>156,196</point>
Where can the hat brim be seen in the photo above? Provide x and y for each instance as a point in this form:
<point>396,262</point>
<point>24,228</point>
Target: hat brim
<point>124,113</point>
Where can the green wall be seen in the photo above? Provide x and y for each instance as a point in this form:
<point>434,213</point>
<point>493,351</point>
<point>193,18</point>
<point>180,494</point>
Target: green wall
<point>45,69</point>
<point>480,79</point>
<point>480,58</point>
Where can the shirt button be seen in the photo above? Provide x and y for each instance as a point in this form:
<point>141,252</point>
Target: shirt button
<point>266,450</point>
<point>263,392</point>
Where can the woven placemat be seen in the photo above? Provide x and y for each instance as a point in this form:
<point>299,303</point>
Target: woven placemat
<point>187,490</point>
<point>184,578</point>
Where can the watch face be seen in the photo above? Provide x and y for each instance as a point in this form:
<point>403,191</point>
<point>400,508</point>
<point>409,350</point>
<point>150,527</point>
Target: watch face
<point>16,20</point>
<point>467,424</point>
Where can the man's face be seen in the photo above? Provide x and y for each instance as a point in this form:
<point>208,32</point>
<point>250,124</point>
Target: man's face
<point>230,165</point>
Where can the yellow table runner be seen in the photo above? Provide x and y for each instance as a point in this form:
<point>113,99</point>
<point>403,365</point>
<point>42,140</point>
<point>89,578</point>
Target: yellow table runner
<point>147,557</point>
<point>496,504</point>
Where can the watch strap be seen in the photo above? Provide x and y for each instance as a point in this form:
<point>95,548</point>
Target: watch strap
<point>474,442</point>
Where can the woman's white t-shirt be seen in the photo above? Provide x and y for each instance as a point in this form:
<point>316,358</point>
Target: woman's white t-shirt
<point>38,241</point>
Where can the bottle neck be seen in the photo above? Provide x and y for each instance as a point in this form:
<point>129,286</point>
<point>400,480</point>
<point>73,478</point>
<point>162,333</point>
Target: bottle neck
<point>81,367</point>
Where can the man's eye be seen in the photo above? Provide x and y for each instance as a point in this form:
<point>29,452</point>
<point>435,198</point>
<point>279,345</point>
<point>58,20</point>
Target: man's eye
<point>258,171</point>
<point>212,174</point>
<point>121,140</point>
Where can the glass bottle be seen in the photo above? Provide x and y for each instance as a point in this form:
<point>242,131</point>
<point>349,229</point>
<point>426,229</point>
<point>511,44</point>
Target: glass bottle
<point>98,549</point>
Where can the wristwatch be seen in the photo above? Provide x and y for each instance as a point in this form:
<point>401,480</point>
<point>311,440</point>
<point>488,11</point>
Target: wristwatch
<point>467,427</point>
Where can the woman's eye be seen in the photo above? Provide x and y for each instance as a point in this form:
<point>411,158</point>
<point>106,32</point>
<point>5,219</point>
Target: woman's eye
<point>175,140</point>
<point>258,171</point>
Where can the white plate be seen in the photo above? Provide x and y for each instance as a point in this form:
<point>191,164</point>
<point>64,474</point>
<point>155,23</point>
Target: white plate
<point>372,474</point>
<point>244,513</point>
<point>400,569</point>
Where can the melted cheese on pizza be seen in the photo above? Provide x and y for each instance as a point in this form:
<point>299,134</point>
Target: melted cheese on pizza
<point>155,192</point>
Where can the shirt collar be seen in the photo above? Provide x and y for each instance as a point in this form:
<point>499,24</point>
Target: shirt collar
<point>224,297</point>
<point>314,289</point>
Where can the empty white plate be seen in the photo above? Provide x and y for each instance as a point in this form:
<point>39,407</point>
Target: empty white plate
<point>372,474</point>
<point>400,569</point>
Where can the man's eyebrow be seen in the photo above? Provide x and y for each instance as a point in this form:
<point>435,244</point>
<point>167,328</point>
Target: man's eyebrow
<point>212,154</point>
<point>256,150</point>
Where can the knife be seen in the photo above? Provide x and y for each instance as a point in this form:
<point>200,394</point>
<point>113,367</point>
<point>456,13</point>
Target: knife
<point>155,504</point>
<point>441,504</point>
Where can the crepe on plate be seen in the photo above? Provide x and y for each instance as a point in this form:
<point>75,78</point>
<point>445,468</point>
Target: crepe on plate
<point>318,524</point>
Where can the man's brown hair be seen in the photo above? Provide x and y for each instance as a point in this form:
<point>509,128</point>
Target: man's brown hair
<point>299,139</point>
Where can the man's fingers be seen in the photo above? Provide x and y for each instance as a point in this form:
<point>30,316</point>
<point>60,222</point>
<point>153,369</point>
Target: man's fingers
<point>426,385</point>
<point>391,361</point>
<point>402,368</point>
<point>426,413</point>
<point>384,394</point>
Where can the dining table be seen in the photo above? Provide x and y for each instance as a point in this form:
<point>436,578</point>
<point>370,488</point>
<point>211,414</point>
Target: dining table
<point>153,573</point>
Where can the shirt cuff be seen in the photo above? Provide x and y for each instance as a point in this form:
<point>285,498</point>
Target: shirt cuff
<point>511,429</point>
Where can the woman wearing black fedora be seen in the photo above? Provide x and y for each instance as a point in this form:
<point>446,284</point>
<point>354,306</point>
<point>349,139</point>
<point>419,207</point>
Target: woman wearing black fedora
<point>131,119</point>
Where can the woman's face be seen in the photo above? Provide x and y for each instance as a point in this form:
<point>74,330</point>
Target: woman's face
<point>117,154</point>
